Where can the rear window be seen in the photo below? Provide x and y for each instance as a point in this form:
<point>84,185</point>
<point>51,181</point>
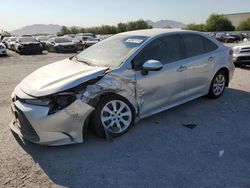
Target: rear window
<point>62,40</point>
<point>193,45</point>
<point>209,45</point>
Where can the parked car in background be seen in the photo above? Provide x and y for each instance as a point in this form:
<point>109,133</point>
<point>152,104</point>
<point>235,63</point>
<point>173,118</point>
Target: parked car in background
<point>83,42</point>
<point>11,43</point>
<point>86,35</point>
<point>225,38</point>
<point>5,40</point>
<point>28,45</point>
<point>128,76</point>
<point>2,49</point>
<point>241,55</point>
<point>61,44</point>
<point>43,40</point>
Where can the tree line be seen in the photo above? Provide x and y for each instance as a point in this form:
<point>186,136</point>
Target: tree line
<point>217,22</point>
<point>107,29</point>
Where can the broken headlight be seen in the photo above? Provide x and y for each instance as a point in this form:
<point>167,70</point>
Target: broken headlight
<point>61,101</point>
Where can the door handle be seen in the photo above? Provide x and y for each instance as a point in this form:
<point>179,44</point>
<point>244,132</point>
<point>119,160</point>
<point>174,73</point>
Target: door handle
<point>181,69</point>
<point>211,59</point>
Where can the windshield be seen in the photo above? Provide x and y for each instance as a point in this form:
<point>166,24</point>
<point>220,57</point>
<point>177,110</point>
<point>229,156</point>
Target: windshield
<point>111,52</point>
<point>13,39</point>
<point>43,38</point>
<point>62,40</point>
<point>27,39</point>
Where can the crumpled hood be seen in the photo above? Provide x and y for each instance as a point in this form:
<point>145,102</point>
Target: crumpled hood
<point>59,76</point>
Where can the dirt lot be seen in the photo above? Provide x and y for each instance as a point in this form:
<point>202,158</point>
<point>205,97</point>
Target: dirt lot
<point>157,152</point>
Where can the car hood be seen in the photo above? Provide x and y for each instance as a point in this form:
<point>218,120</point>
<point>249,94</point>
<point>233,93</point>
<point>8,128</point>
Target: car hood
<point>65,44</point>
<point>27,43</point>
<point>58,77</point>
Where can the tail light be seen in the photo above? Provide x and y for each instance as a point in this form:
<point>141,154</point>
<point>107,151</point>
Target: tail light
<point>231,51</point>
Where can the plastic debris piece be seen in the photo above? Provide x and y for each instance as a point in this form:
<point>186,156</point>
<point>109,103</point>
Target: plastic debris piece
<point>221,152</point>
<point>190,126</point>
<point>109,136</point>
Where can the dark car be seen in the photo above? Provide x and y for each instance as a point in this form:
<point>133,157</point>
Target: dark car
<point>28,45</point>
<point>43,40</point>
<point>61,44</point>
<point>226,38</point>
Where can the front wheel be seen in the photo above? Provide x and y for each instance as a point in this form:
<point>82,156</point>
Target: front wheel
<point>113,113</point>
<point>218,85</point>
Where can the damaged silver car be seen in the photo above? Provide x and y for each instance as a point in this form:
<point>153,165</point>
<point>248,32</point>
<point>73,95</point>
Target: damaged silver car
<point>118,81</point>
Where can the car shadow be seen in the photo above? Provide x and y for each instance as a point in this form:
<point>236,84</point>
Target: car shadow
<point>98,163</point>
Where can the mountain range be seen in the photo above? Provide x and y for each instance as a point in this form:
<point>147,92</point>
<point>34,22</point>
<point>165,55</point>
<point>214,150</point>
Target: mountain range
<point>166,24</point>
<point>53,29</point>
<point>37,29</point>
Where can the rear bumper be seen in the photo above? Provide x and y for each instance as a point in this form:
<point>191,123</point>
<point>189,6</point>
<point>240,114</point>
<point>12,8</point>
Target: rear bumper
<point>33,123</point>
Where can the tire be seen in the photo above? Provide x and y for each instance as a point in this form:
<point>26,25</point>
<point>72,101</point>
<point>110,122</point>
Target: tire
<point>116,121</point>
<point>218,85</point>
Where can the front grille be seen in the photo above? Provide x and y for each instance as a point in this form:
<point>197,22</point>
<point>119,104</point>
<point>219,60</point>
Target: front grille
<point>25,127</point>
<point>244,59</point>
<point>245,50</point>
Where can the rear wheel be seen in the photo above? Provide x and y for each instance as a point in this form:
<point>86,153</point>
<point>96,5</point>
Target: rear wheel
<point>113,113</point>
<point>218,85</point>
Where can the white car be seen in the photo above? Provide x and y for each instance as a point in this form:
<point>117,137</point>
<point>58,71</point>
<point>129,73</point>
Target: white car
<point>118,81</point>
<point>2,49</point>
<point>241,54</point>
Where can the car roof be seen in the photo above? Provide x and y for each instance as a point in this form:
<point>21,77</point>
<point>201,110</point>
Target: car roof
<point>155,32</point>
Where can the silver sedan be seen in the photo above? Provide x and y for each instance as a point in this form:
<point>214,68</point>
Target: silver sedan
<point>118,81</point>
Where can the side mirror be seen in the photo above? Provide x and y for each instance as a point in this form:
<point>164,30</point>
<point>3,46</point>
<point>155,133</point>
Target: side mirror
<point>151,65</point>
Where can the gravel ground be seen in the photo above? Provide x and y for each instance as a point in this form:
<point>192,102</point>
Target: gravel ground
<point>157,152</point>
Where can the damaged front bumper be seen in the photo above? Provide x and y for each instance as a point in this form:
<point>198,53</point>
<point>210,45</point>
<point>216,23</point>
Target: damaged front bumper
<point>33,123</point>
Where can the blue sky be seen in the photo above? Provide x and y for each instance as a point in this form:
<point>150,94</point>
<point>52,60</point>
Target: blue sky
<point>18,13</point>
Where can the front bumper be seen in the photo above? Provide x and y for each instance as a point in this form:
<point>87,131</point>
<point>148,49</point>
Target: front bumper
<point>33,123</point>
<point>2,51</point>
<point>65,49</point>
<point>241,59</point>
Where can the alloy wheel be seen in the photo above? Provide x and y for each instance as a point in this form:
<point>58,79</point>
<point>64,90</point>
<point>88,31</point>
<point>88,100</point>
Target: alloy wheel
<point>116,116</point>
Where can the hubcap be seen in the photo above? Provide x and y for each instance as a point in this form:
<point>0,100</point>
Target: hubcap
<point>116,116</point>
<point>219,84</point>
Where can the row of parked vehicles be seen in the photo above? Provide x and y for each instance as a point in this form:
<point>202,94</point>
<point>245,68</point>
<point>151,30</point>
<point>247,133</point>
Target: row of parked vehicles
<point>230,37</point>
<point>28,44</point>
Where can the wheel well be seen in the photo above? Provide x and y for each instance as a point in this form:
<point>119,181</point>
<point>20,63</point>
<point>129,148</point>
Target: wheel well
<point>99,98</point>
<point>226,71</point>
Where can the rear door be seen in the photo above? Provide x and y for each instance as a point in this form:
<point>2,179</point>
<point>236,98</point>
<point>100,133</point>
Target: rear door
<point>198,64</point>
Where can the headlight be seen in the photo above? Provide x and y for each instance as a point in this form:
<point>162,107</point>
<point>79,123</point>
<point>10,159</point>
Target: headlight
<point>55,103</point>
<point>40,102</point>
<point>236,50</point>
<point>61,101</point>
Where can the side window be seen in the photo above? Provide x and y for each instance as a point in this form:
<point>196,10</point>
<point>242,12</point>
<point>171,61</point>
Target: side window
<point>209,45</point>
<point>166,50</point>
<point>193,45</point>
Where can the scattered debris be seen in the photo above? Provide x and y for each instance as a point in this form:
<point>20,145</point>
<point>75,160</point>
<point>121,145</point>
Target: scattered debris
<point>221,152</point>
<point>190,126</point>
<point>109,136</point>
